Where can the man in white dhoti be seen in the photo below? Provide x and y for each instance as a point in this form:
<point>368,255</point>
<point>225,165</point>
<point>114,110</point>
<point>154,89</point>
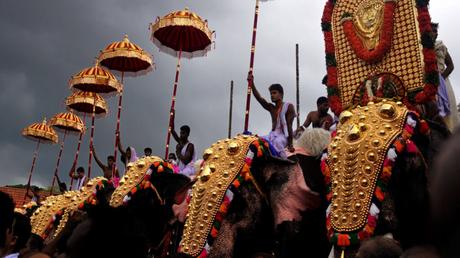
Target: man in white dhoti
<point>446,67</point>
<point>282,114</point>
<point>185,150</point>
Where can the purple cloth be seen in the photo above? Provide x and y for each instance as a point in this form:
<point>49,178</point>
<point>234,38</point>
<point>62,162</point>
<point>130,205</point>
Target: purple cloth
<point>443,98</point>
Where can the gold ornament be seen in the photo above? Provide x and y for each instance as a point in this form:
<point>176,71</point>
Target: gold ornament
<point>368,22</point>
<point>356,160</point>
<point>209,191</point>
<point>136,173</point>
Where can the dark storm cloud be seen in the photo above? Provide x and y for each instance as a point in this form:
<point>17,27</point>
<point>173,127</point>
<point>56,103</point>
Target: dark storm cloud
<point>44,42</point>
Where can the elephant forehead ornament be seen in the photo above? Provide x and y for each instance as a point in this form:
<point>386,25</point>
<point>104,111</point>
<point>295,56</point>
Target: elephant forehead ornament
<point>138,173</point>
<point>355,159</point>
<point>60,207</point>
<point>223,162</point>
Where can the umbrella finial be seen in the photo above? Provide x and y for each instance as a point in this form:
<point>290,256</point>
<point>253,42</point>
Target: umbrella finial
<point>44,121</point>
<point>96,61</point>
<point>187,9</point>
<point>125,38</point>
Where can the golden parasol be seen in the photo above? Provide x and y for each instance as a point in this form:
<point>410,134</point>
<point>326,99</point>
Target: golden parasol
<point>181,33</point>
<point>41,133</point>
<point>128,59</point>
<point>66,123</point>
<point>97,80</point>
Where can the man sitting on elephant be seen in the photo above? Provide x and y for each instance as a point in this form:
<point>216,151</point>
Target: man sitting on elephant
<point>282,114</point>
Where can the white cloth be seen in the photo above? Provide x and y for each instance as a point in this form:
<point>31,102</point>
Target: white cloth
<point>14,255</point>
<point>279,137</point>
<point>189,168</point>
<point>80,182</point>
<point>451,120</point>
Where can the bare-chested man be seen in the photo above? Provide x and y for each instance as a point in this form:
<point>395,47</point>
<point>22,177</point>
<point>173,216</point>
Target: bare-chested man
<point>319,118</point>
<point>282,114</point>
<point>108,170</point>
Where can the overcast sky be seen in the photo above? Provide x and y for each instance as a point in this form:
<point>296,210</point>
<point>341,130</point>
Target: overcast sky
<point>45,42</point>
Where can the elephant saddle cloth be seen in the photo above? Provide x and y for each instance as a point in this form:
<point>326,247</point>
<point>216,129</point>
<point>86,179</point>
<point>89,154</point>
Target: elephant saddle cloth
<point>226,166</point>
<point>358,166</point>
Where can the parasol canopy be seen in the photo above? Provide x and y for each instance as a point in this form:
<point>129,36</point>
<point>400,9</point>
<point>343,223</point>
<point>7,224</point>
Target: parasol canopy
<point>40,132</point>
<point>95,79</point>
<point>82,102</point>
<point>182,31</point>
<point>67,122</point>
<point>126,57</point>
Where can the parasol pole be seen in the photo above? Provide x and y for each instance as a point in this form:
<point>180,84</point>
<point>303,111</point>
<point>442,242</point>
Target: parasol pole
<point>37,148</point>
<point>297,84</point>
<point>251,66</point>
<point>230,111</point>
<point>58,162</point>
<point>78,151</point>
<point>173,103</point>
<point>93,117</point>
<point>117,130</point>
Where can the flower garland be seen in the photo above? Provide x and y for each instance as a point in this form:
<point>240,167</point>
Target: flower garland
<point>431,70</point>
<point>401,144</point>
<point>386,35</point>
<point>157,167</point>
<point>332,83</point>
<point>431,64</point>
<point>257,150</point>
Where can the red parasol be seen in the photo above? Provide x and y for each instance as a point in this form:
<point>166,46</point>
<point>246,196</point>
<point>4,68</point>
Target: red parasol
<point>97,80</point>
<point>128,59</point>
<point>66,123</point>
<point>181,33</point>
<point>41,133</point>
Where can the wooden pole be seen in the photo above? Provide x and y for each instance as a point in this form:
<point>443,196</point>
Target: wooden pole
<point>297,84</point>
<point>251,66</point>
<point>117,130</point>
<point>91,139</point>
<point>173,104</point>
<point>77,153</point>
<point>56,170</point>
<point>37,148</point>
<point>230,111</point>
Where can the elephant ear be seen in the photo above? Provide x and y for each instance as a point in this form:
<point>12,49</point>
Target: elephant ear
<point>279,161</point>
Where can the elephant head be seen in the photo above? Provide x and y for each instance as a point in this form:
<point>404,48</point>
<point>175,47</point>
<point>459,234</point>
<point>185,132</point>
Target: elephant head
<point>242,193</point>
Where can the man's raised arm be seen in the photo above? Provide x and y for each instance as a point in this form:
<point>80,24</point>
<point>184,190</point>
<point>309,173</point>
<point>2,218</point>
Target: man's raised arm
<point>256,93</point>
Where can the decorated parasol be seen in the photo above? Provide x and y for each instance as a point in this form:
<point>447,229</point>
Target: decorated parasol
<point>128,59</point>
<point>180,34</point>
<point>251,63</point>
<point>95,79</point>
<point>66,123</point>
<point>41,133</point>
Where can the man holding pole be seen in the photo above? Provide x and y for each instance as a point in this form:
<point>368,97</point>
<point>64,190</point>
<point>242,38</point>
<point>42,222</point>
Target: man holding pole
<point>282,114</point>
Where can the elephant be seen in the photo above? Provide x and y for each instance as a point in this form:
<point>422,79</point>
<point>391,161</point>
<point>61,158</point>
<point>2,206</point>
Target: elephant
<point>138,212</point>
<point>247,203</point>
<point>377,177</point>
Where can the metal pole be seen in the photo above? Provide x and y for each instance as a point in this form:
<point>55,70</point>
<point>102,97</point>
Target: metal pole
<point>230,111</point>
